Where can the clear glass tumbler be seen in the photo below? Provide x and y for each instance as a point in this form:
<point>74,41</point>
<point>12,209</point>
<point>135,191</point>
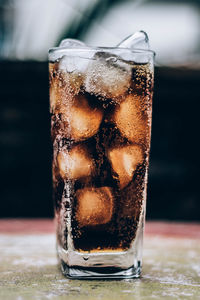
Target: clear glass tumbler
<point>101,106</point>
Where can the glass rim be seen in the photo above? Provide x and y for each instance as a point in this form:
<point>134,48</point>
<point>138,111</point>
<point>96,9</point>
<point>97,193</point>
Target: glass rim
<point>92,49</point>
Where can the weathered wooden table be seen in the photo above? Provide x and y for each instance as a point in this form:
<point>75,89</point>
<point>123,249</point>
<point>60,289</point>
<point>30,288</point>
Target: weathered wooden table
<point>28,265</point>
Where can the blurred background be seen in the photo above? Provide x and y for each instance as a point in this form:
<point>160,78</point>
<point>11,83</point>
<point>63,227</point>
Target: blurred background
<point>29,28</point>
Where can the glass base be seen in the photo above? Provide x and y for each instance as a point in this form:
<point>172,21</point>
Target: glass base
<point>74,272</point>
<point>103,264</point>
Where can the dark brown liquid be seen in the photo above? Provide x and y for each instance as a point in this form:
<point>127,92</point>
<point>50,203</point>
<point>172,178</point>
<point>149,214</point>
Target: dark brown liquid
<point>101,138</point>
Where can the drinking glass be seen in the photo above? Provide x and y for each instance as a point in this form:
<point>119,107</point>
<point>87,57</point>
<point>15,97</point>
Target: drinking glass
<point>101,107</point>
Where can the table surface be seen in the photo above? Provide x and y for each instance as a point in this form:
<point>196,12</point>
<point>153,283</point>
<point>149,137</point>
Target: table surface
<point>28,265</point>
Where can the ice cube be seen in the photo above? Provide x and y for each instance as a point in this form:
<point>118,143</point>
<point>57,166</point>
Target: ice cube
<point>73,62</point>
<point>53,86</point>
<point>138,40</point>
<point>107,76</point>
<point>55,94</point>
<point>124,161</point>
<point>62,89</point>
<point>94,206</point>
<point>75,164</point>
<point>131,120</point>
<point>53,98</point>
<point>81,120</point>
<point>71,43</point>
<point>68,64</point>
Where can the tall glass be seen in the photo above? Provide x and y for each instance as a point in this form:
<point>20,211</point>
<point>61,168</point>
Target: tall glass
<point>101,105</point>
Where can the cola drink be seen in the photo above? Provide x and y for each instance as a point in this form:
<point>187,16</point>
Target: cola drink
<point>100,104</point>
